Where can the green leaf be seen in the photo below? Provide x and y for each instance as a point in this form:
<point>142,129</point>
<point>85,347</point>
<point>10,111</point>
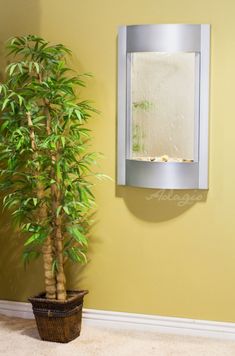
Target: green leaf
<point>77,235</point>
<point>54,266</point>
<point>36,65</point>
<point>58,210</point>
<point>78,114</point>
<point>26,227</point>
<point>38,237</point>
<point>84,256</point>
<point>35,201</point>
<point>28,256</point>
<point>6,101</point>
<point>76,255</point>
<point>12,68</point>
<point>38,119</point>
<point>62,140</point>
<point>21,99</point>
<point>4,125</point>
<point>66,210</point>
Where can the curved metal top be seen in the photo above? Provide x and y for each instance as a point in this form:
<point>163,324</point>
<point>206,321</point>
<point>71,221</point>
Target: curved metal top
<point>163,38</point>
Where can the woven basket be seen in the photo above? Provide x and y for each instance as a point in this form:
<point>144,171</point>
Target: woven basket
<point>59,321</point>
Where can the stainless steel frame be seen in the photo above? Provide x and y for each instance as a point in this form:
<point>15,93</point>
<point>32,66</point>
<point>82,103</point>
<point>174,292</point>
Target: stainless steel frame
<point>163,38</point>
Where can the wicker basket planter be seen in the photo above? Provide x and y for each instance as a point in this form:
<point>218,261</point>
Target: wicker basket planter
<point>58,321</point>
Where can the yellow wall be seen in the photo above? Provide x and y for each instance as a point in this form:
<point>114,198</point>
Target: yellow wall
<point>147,256</point>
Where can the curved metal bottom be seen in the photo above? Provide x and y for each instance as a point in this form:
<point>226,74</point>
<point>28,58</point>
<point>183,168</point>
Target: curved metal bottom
<point>162,175</point>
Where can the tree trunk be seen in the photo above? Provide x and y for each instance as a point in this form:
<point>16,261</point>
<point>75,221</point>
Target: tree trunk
<point>58,238</point>
<point>47,252</point>
<point>57,220</point>
<point>60,276</point>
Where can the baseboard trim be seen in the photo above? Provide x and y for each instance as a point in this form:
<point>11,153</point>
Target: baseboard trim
<point>16,309</point>
<point>132,321</point>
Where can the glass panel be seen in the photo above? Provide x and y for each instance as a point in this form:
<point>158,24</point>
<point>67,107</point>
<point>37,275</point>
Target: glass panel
<point>163,107</point>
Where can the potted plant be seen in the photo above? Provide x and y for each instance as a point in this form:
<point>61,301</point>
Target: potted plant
<point>45,167</point>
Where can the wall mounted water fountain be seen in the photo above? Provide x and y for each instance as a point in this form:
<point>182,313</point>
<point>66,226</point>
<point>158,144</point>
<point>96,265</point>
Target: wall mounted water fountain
<point>163,99</point>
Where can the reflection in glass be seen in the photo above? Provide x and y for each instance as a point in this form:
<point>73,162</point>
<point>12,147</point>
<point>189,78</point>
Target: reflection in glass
<point>163,106</point>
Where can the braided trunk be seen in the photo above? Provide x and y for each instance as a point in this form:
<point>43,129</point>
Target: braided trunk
<point>57,219</point>
<point>47,252</point>
<point>58,237</point>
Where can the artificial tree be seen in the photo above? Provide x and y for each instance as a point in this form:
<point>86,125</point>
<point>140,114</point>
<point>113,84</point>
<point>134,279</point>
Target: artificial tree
<point>45,163</point>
